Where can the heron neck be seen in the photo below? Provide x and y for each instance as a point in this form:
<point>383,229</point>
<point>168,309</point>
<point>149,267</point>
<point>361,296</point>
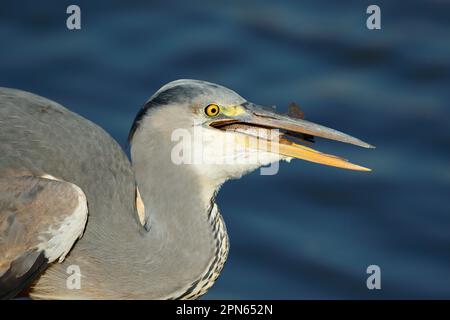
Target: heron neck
<point>181,240</point>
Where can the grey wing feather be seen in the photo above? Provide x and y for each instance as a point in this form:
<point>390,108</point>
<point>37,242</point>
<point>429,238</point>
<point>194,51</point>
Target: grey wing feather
<point>40,220</point>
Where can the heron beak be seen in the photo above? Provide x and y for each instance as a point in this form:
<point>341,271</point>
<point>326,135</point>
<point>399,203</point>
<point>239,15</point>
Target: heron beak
<point>284,134</point>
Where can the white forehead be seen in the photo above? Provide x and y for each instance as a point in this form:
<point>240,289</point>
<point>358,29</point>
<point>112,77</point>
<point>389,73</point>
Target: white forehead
<point>197,91</point>
<point>186,92</point>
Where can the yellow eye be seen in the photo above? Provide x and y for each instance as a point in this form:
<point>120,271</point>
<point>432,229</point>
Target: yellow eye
<point>212,110</point>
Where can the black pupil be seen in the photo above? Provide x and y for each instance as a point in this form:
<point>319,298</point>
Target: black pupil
<point>213,110</point>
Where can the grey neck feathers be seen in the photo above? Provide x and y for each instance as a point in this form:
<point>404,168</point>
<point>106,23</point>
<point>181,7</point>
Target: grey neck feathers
<point>186,245</point>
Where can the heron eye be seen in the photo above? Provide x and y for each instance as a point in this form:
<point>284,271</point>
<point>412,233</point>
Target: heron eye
<point>212,110</point>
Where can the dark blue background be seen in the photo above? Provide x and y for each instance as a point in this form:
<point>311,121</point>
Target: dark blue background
<point>310,231</point>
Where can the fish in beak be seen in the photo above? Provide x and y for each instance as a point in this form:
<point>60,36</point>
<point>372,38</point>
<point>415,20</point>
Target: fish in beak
<point>285,134</point>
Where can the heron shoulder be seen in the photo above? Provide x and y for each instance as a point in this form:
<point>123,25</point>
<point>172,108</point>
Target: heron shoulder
<point>40,221</point>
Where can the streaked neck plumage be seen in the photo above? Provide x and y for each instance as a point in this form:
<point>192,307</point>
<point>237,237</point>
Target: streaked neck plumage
<point>185,229</point>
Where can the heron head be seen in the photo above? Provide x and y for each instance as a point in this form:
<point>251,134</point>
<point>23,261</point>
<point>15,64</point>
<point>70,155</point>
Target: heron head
<point>222,135</point>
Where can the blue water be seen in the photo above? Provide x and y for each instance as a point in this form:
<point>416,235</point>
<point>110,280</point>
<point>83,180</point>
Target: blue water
<point>309,231</point>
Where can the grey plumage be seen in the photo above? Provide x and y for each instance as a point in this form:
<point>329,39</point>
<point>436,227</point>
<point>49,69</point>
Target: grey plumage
<point>22,271</point>
<point>48,152</point>
<point>176,92</point>
<point>31,209</point>
<point>38,137</point>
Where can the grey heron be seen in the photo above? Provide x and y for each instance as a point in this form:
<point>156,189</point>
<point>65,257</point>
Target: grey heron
<point>145,229</point>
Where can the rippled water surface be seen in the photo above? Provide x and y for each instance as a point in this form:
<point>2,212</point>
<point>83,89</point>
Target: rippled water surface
<point>310,231</point>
